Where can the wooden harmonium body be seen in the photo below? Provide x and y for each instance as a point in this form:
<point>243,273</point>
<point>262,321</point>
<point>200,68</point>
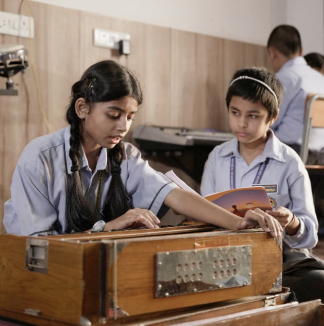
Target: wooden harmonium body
<point>120,276</point>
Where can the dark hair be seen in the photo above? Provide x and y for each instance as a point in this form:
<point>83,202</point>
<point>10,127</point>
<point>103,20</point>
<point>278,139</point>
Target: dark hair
<point>286,39</point>
<point>315,60</point>
<point>102,82</point>
<point>255,92</point>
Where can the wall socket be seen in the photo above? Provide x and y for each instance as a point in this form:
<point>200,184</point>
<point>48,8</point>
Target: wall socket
<point>108,39</point>
<point>17,25</point>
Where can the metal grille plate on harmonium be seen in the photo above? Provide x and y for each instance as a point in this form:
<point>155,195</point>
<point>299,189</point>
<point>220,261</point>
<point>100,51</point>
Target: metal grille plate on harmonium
<point>124,274</point>
<point>191,271</point>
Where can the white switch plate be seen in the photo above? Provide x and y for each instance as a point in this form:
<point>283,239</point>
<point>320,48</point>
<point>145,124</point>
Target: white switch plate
<point>108,39</point>
<point>17,25</point>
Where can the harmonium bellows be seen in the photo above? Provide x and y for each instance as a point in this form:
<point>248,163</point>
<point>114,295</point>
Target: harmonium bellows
<point>118,276</point>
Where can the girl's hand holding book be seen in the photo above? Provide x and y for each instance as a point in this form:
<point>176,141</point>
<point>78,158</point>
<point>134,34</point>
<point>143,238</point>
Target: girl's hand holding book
<point>287,219</point>
<point>256,217</point>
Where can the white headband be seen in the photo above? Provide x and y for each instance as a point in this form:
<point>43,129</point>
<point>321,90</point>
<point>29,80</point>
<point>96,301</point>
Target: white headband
<point>258,81</point>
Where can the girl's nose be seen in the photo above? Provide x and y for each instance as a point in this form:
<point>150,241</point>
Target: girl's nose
<point>242,122</point>
<point>122,124</point>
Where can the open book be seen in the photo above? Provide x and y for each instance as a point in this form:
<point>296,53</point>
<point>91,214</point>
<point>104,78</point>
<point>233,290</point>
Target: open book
<point>236,201</point>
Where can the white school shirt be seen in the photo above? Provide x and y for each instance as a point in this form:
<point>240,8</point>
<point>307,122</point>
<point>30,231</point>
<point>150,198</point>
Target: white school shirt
<point>298,80</point>
<point>285,170</point>
<point>38,189</point>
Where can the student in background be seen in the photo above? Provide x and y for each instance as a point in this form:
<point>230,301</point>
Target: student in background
<point>316,61</point>
<point>84,177</point>
<point>298,80</point>
<point>257,157</point>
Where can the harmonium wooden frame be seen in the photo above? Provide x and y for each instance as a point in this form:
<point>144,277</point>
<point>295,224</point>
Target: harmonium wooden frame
<point>122,276</point>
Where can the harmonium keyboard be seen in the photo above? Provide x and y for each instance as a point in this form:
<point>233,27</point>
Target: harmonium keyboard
<point>172,138</point>
<point>129,275</point>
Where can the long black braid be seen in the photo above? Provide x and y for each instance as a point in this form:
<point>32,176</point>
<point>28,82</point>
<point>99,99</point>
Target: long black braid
<point>117,201</point>
<point>102,82</point>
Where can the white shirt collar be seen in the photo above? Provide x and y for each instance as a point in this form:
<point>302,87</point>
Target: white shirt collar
<point>273,148</point>
<point>297,61</point>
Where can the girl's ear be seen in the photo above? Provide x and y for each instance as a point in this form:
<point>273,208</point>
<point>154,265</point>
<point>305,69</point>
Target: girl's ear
<point>272,121</point>
<point>81,108</point>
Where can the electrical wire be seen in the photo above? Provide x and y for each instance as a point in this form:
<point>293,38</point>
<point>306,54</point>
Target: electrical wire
<point>31,56</point>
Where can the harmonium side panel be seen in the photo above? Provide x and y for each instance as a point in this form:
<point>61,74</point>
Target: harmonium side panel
<point>51,289</point>
<point>92,275</point>
<point>133,265</point>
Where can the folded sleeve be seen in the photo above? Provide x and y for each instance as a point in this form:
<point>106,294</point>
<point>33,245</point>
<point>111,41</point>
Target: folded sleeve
<point>29,209</point>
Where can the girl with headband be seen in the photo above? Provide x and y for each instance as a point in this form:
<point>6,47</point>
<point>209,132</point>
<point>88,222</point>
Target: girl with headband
<point>84,177</point>
<point>257,158</point>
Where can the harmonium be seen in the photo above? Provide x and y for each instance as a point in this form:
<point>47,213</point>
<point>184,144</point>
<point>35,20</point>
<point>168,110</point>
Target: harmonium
<point>139,277</point>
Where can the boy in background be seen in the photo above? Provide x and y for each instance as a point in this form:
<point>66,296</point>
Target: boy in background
<point>298,80</point>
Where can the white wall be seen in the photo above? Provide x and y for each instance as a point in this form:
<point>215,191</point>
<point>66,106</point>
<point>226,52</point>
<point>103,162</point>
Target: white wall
<point>307,16</point>
<point>243,20</point>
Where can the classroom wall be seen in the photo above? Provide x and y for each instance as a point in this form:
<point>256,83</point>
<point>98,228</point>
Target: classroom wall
<point>248,21</point>
<point>308,17</point>
<point>184,75</point>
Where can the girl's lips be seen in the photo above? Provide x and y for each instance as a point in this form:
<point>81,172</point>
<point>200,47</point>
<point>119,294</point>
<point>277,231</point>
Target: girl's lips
<point>242,134</point>
<point>115,140</point>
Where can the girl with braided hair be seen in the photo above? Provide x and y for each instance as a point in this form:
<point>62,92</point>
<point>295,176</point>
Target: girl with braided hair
<point>84,177</point>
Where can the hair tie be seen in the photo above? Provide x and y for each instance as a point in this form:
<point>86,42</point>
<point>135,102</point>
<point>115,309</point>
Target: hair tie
<point>115,169</point>
<point>258,81</point>
<point>75,168</point>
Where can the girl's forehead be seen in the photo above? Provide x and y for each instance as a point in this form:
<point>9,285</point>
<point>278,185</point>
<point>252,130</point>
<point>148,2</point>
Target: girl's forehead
<point>242,104</point>
<point>126,103</point>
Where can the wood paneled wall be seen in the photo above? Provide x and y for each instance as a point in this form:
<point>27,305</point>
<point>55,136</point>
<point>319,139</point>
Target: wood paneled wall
<point>184,75</point>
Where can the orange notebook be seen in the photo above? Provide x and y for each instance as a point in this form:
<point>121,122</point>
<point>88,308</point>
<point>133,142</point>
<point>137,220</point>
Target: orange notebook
<point>236,201</point>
